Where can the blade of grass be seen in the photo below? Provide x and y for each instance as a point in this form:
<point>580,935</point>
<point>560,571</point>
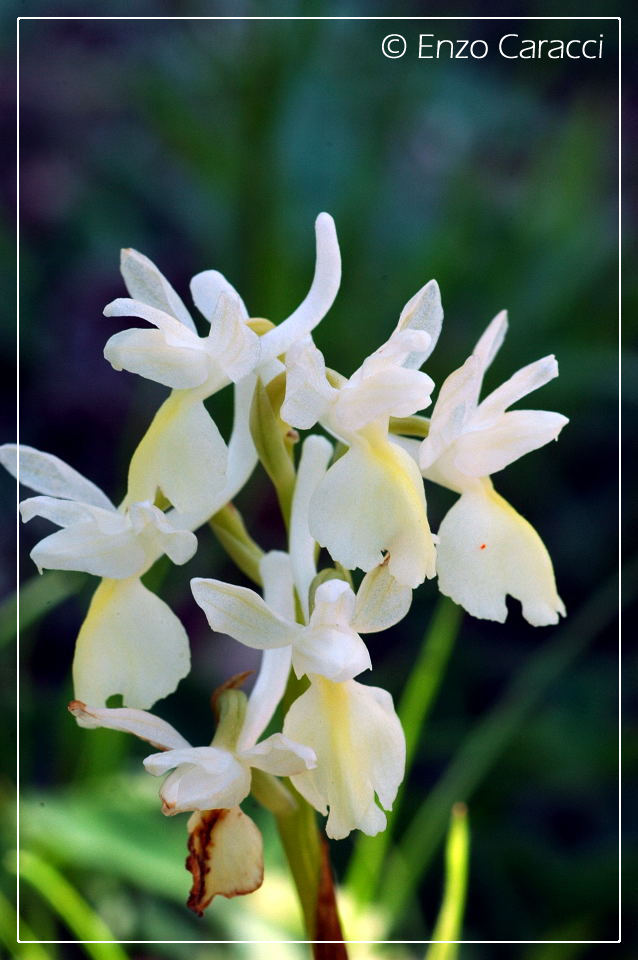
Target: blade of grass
<point>365,873</point>
<point>450,918</point>
<point>8,933</point>
<point>408,862</point>
<point>70,906</point>
<point>38,596</point>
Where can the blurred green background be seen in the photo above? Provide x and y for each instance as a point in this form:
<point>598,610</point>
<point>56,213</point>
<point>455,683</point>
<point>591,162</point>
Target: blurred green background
<point>215,144</point>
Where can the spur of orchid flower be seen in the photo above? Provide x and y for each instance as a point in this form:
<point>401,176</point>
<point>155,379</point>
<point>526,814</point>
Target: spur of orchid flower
<point>486,549</point>
<point>371,501</point>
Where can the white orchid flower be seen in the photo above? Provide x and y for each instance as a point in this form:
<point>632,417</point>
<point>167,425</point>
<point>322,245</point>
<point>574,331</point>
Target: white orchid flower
<point>487,550</point>
<point>130,642</point>
<point>360,748</point>
<point>329,645</point>
<point>203,778</point>
<point>225,846</point>
<point>183,453</point>
<point>371,500</point>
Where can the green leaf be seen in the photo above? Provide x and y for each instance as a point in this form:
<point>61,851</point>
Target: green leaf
<point>38,596</point>
<point>449,921</point>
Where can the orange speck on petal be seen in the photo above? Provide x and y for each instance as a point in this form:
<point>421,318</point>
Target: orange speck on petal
<point>483,546</point>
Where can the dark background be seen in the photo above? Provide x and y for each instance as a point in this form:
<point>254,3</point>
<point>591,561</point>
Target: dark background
<point>215,144</point>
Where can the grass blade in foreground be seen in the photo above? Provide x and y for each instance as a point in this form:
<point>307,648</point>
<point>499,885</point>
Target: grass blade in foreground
<point>72,908</point>
<point>450,919</point>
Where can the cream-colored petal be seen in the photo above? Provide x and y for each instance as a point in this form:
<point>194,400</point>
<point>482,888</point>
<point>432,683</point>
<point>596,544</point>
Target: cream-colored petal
<point>491,340</point>
<point>210,778</point>
<point>225,856</point>
<point>184,455</point>
<point>145,282</point>
<point>273,673</point>
<point>334,605</point>
<point>206,288</point>
<point>308,393</point>
<point>130,643</point>
<point>454,406</point>
<point>483,452</point>
<point>315,456</point>
<point>423,312</point>
<point>175,333</point>
<point>360,749</point>
<point>336,653</point>
<point>280,756</point>
<point>393,392</point>
<point>231,341</point>
<point>399,347</point>
<point>84,548</point>
<point>381,601</point>
<point>157,534</point>
<point>371,501</point>
<point>147,353</point>
<point>47,474</point>
<point>524,381</point>
<point>64,513</point>
<point>320,297</point>
<point>140,723</point>
<point>487,550</point>
<point>242,614</point>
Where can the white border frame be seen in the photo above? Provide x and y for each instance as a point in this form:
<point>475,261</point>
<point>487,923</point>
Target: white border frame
<point>393,19</point>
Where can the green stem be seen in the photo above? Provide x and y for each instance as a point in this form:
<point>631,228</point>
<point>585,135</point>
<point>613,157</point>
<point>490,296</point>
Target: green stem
<point>229,528</point>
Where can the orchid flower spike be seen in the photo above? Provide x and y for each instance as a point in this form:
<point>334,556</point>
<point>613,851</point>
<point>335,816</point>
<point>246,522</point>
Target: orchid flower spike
<point>487,550</point>
<point>371,500</point>
<point>225,846</point>
<point>329,645</point>
<point>183,452</point>
<point>130,642</point>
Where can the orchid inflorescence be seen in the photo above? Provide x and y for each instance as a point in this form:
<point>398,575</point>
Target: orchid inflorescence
<point>362,499</point>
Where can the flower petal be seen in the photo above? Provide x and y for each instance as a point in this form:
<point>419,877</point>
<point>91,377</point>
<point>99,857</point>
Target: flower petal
<point>336,653</point>
<point>391,392</point>
<point>64,513</point>
<point>371,501</point>
<point>84,548</point>
<point>280,756</point>
<point>145,282</point>
<point>517,432</point>
<point>48,474</point>
<point>140,723</point>
<point>454,406</point>
<point>130,643</point>
<point>159,535</point>
<point>206,289</point>
<point>423,312</point>
<point>273,673</point>
<point>308,393</point>
<point>225,856</point>
<point>184,455</point>
<point>360,749</point>
<point>242,614</point>
<point>381,601</point>
<point>486,551</point>
<point>315,456</point>
<point>320,297</point>
<point>233,344</point>
<point>490,342</point>
<point>524,381</point>
<point>147,353</point>
<point>205,777</point>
